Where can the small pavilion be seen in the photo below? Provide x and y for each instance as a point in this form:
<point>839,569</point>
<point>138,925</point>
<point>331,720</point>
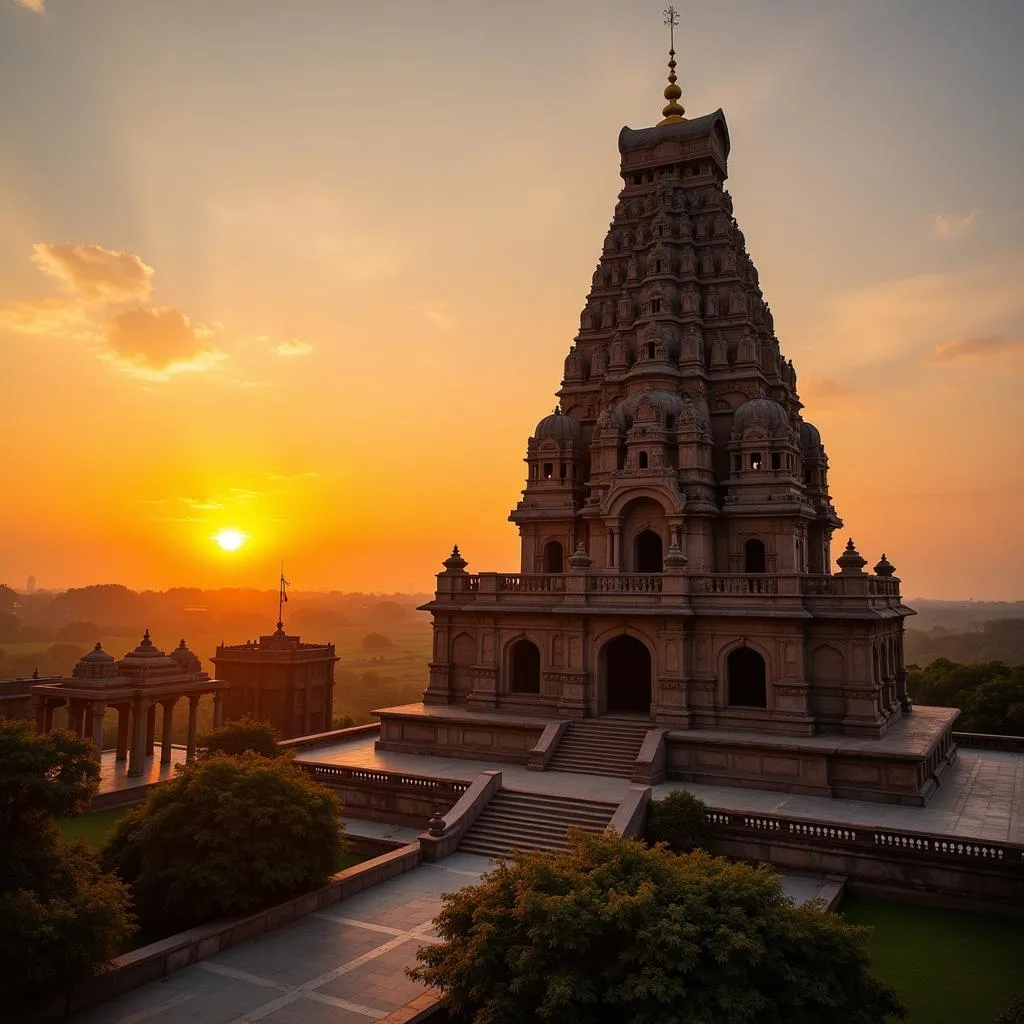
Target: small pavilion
<point>135,685</point>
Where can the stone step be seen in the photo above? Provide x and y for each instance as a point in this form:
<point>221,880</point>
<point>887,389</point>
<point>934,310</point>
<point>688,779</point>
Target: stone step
<point>514,815</point>
<point>550,799</point>
<point>499,849</point>
<point>527,838</point>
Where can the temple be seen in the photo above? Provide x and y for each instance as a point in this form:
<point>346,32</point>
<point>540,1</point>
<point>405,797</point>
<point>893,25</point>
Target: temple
<point>676,583</point>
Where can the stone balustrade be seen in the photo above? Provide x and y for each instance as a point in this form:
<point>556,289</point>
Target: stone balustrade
<point>333,774</point>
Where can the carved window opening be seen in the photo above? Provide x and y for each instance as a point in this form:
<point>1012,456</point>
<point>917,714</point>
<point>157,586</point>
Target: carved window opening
<point>650,344</point>
<point>658,263</point>
<point>747,679</point>
<point>737,463</point>
<point>642,460</point>
<point>554,559</point>
<point>549,470</point>
<point>754,558</point>
<point>776,460</point>
<point>563,471</point>
<point>524,667</point>
<point>655,307</point>
<point>755,460</point>
<point>647,549</point>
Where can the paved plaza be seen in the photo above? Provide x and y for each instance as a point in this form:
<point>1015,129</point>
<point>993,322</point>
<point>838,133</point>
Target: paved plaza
<point>981,796</point>
<point>114,774</point>
<point>340,965</point>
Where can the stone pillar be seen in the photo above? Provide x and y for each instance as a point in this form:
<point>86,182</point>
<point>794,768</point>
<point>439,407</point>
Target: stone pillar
<point>97,709</point>
<point>150,730</point>
<point>39,707</point>
<point>616,549</point>
<point>218,709</point>
<point>137,755</point>
<point>165,734</point>
<point>49,706</point>
<point>123,718</point>
<point>87,719</point>
<point>190,742</point>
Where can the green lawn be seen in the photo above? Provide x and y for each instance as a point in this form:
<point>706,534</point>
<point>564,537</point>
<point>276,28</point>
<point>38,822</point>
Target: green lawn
<point>95,828</point>
<point>949,966</point>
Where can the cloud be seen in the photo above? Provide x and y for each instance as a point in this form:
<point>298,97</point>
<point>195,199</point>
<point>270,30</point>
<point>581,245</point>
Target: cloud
<point>202,504</point>
<point>976,348</point>
<point>39,6</point>
<point>291,347</point>
<point>45,316</point>
<point>952,225</point>
<point>157,342</point>
<point>440,315</point>
<point>94,274</point>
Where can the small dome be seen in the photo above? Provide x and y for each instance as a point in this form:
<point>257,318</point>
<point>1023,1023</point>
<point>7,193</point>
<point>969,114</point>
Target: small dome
<point>558,427</point>
<point>97,656</point>
<point>146,649</point>
<point>184,658</point>
<point>762,414</point>
<point>665,402</point>
<point>810,439</point>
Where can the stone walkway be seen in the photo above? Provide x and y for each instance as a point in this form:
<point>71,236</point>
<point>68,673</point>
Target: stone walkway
<point>340,965</point>
<point>981,796</point>
<point>114,774</point>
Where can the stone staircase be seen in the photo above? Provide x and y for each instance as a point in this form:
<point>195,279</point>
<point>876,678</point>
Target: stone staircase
<point>532,821</point>
<point>599,747</point>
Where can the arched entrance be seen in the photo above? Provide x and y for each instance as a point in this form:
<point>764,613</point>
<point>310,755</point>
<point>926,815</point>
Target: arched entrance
<point>627,676</point>
<point>553,557</point>
<point>524,667</point>
<point>747,678</point>
<point>647,556</point>
<point>754,558</point>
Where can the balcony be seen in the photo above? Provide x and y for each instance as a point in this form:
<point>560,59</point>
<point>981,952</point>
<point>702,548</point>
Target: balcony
<point>703,592</point>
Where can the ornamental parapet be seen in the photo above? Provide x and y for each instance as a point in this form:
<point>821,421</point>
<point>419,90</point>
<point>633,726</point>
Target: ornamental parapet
<point>705,591</point>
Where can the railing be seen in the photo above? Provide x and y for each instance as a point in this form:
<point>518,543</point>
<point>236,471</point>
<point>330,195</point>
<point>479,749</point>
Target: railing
<point>819,585</point>
<point>339,773</point>
<point>989,741</point>
<point>734,584</point>
<point>881,586</point>
<point>914,843</point>
<point>626,583</point>
<point>534,583</point>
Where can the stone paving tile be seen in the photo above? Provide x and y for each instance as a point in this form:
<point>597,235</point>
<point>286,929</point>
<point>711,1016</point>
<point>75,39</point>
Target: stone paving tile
<point>114,773</point>
<point>380,983</point>
<point>306,1011</point>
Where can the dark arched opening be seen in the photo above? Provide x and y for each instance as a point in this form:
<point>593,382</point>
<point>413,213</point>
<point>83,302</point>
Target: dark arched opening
<point>627,666</point>
<point>553,557</point>
<point>524,667</point>
<point>748,685</point>
<point>754,558</point>
<point>648,552</point>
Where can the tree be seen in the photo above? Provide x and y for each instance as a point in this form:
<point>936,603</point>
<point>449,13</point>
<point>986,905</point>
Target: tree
<point>680,820</point>
<point>61,918</point>
<point>1014,1013</point>
<point>342,722</point>
<point>377,642</point>
<point>235,738</point>
<point>227,835</point>
<point>613,932</point>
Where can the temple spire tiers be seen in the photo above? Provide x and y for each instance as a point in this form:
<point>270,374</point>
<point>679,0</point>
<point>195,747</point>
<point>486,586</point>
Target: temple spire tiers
<point>676,528</point>
<point>134,686</point>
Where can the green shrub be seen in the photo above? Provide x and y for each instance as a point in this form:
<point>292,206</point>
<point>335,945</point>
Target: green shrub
<point>246,734</point>
<point>680,820</point>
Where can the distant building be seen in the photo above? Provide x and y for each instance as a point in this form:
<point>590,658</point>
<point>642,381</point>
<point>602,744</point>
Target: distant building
<point>135,685</point>
<point>279,679</point>
<point>30,586</point>
<point>676,531</point>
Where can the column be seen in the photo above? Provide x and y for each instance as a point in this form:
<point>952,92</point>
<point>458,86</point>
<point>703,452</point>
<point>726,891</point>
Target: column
<point>150,730</point>
<point>609,549</point>
<point>87,720</point>
<point>97,709</point>
<point>165,735</point>
<point>615,548</point>
<point>39,707</point>
<point>76,717</point>
<point>193,711</point>
<point>49,706</point>
<point>137,754</point>
<point>123,717</point>
<point>218,709</point>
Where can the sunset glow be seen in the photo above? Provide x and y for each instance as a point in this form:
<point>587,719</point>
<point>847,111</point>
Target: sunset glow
<point>230,540</point>
<point>219,305</point>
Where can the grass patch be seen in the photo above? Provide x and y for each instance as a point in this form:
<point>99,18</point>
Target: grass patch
<point>95,828</point>
<point>949,966</point>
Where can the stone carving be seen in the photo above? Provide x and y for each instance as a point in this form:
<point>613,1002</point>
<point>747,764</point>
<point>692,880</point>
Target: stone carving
<point>728,262</point>
<point>599,364</point>
<point>690,299</point>
<point>587,319</point>
<point>633,270</point>
<point>640,237</point>
<point>737,303</point>
<point>707,264</point>
<point>689,262</point>
<point>711,303</point>
<point>607,315</point>
<point>625,309</point>
<point>702,229</point>
<point>721,226</point>
<point>600,278</point>
<point>573,365</point>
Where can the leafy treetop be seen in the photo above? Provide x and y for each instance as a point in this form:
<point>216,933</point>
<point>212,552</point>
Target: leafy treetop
<point>235,738</point>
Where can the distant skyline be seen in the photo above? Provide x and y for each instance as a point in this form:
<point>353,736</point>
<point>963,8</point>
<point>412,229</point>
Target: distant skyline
<point>309,271</point>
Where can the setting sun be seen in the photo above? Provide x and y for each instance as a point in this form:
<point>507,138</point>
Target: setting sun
<point>230,540</point>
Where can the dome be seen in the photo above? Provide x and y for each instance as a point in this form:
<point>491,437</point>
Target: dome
<point>97,656</point>
<point>558,427</point>
<point>810,439</point>
<point>185,659</point>
<point>761,414</point>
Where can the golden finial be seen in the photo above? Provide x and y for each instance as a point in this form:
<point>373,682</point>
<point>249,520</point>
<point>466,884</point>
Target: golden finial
<point>673,110</point>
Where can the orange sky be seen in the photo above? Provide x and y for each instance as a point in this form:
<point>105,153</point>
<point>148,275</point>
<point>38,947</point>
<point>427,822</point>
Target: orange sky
<point>310,270</point>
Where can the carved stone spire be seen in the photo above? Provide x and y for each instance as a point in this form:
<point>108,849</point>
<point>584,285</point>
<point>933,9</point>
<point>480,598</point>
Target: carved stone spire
<point>673,111</point>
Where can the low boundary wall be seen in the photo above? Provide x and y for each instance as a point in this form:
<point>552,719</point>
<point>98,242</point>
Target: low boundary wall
<point>177,951</point>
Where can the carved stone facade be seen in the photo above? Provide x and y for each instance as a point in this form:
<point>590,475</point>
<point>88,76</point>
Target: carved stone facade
<point>676,524</point>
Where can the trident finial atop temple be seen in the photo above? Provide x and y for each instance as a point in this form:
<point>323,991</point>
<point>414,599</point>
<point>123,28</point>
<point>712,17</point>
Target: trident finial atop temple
<point>673,110</point>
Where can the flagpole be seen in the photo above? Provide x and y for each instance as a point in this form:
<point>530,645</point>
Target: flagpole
<point>280,599</point>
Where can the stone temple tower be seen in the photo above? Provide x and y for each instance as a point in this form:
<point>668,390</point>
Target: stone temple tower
<point>676,531</point>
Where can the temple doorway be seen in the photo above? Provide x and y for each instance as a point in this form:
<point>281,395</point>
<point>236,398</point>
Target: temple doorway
<point>648,556</point>
<point>747,678</point>
<point>627,674</point>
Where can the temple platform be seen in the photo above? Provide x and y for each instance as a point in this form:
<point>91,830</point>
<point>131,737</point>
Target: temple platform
<point>905,766</point>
